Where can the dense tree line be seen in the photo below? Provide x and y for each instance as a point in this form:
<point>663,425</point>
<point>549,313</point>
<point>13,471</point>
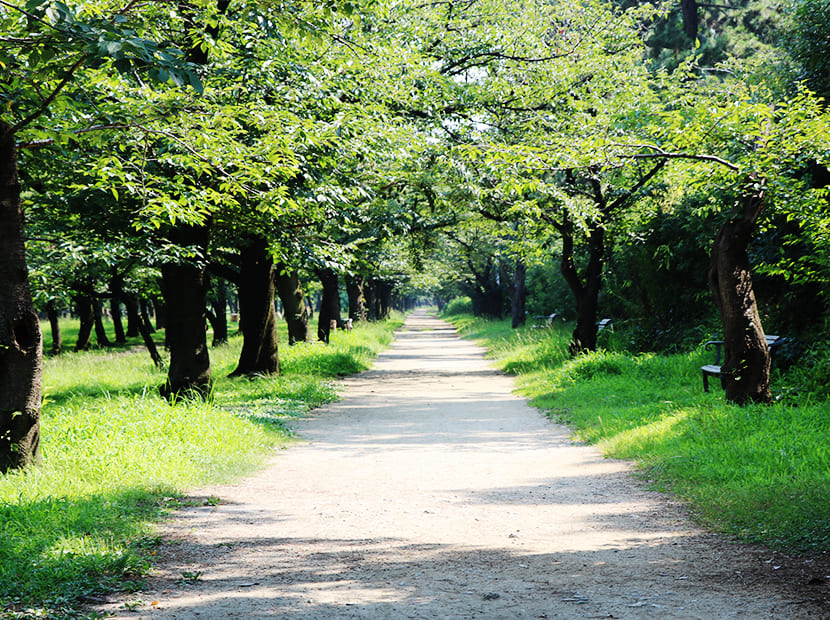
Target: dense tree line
<point>593,157</point>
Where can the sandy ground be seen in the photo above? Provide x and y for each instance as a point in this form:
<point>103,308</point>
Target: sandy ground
<point>430,491</point>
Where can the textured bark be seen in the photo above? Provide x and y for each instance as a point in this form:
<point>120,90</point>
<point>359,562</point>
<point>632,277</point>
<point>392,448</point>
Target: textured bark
<point>293,302</point>
<point>257,315</point>
<point>85,309</point>
<point>184,286</point>
<point>330,304</point>
<point>55,327</point>
<point>746,366</point>
<point>518,295</point>
<point>355,286</point>
<point>20,338</point>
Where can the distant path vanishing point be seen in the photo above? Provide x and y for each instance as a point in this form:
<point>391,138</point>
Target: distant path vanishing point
<point>431,491</point>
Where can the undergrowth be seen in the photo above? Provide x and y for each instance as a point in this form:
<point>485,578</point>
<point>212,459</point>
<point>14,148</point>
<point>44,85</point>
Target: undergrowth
<point>116,457</point>
<point>761,473</point>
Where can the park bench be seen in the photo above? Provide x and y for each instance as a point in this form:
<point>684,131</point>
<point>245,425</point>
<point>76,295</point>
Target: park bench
<point>604,324</point>
<point>545,321</point>
<point>714,370</point>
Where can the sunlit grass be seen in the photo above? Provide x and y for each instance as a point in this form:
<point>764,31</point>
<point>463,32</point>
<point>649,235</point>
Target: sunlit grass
<point>760,472</point>
<point>116,456</point>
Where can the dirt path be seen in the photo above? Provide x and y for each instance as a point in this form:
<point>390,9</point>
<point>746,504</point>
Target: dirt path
<point>431,491</point>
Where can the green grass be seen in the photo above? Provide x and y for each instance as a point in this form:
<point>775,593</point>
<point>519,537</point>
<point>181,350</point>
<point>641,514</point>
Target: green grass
<point>116,457</point>
<point>761,473</point>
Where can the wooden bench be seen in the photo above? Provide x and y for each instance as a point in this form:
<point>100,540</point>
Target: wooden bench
<point>714,370</point>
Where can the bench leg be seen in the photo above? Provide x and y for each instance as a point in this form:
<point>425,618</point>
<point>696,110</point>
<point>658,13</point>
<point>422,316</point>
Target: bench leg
<point>705,382</point>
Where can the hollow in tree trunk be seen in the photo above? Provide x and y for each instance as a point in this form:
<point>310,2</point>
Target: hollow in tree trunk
<point>746,366</point>
<point>257,315</point>
<point>330,304</point>
<point>184,286</point>
<point>20,338</point>
<point>291,295</point>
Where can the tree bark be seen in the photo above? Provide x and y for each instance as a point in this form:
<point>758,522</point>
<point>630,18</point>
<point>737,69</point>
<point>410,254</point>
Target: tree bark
<point>257,315</point>
<point>355,285</point>
<point>133,315</point>
<point>219,303</point>
<point>184,286</point>
<point>518,295</point>
<point>330,304</point>
<point>117,325</point>
<point>85,310</point>
<point>746,366</point>
<point>55,327</point>
<point>690,18</point>
<point>293,302</point>
<point>160,310</point>
<point>100,332</point>
<point>20,337</point>
<point>144,315</point>
<point>586,294</point>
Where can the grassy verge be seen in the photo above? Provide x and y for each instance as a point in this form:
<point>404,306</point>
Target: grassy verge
<point>116,457</point>
<point>761,473</point>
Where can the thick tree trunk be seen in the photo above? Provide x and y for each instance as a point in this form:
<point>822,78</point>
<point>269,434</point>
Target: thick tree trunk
<point>293,302</point>
<point>330,304</point>
<point>85,309</point>
<point>746,366</point>
<point>690,18</point>
<point>355,286</point>
<point>518,295</point>
<point>100,331</point>
<point>55,327</point>
<point>220,315</point>
<point>257,315</point>
<point>184,286</point>
<point>20,338</point>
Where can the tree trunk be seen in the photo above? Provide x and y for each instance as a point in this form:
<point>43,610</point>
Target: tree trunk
<point>144,315</point>
<point>145,330</point>
<point>160,310</point>
<point>746,365</point>
<point>585,294</point>
<point>355,286</point>
<point>85,310</point>
<point>100,331</point>
<point>117,325</point>
<point>133,315</point>
<point>293,302</point>
<point>257,315</point>
<point>20,338</point>
<point>690,18</point>
<point>184,286</point>
<point>220,314</point>
<point>54,325</point>
<point>330,304</point>
<point>518,295</point>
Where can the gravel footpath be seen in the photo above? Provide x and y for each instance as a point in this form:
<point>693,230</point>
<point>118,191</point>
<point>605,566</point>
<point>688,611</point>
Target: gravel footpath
<point>431,491</point>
